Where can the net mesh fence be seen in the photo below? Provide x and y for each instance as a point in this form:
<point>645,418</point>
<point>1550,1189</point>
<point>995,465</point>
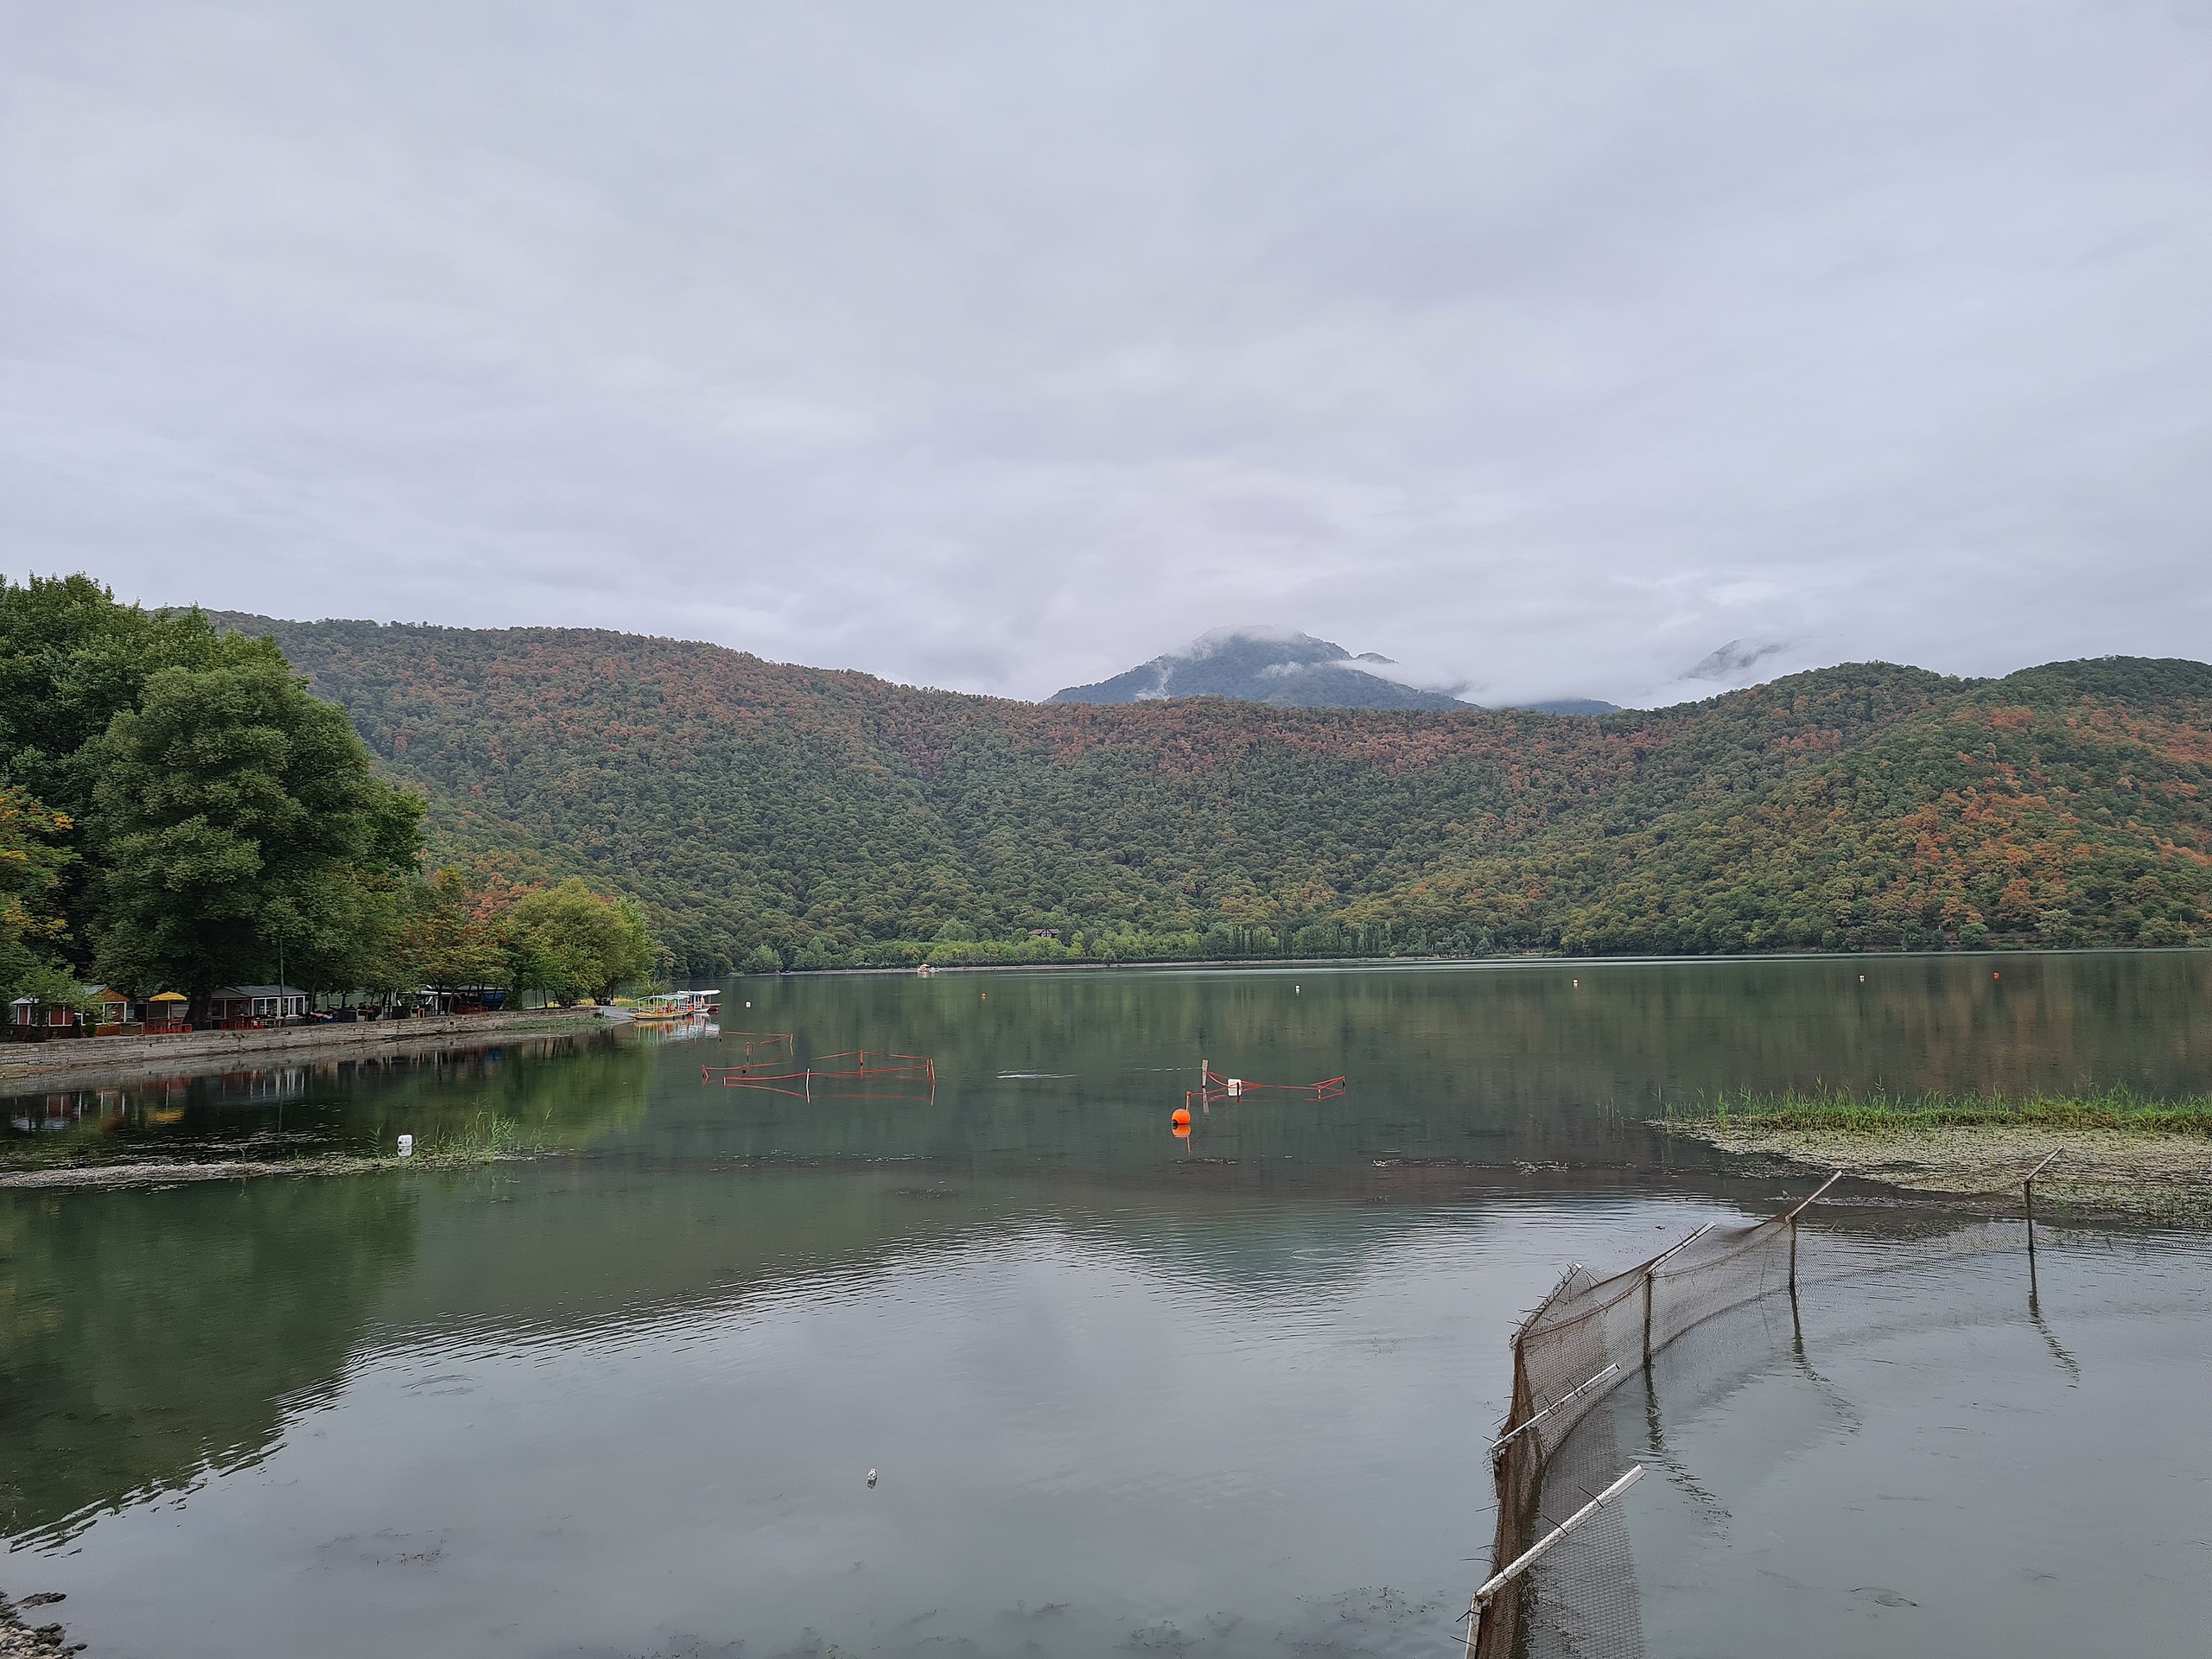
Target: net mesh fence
<point>1558,1450</point>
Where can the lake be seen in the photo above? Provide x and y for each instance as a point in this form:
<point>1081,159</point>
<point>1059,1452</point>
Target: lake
<point>1123,1390</point>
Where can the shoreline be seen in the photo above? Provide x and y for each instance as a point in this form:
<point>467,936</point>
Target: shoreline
<point>25,1067</point>
<point>1514,959</point>
<point>22,1640</point>
<point>175,1172</point>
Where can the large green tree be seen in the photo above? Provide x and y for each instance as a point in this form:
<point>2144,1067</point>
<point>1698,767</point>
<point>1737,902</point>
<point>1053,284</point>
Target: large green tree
<point>568,942</point>
<point>237,822</point>
<point>31,863</point>
<point>71,658</point>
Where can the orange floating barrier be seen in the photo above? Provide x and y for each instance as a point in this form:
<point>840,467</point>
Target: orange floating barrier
<point>1181,1117</point>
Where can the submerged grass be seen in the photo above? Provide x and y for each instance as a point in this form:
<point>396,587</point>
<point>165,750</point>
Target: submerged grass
<point>484,1139</point>
<point>1878,1112</point>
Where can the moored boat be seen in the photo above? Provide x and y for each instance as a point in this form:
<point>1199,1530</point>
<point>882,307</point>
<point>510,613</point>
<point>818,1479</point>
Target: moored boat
<point>673,1007</point>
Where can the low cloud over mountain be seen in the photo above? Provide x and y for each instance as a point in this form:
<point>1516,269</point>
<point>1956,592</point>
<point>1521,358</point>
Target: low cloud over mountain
<point>1287,668</point>
<point>1264,665</point>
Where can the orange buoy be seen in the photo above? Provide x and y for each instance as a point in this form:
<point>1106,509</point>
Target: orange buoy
<point>1181,1114</point>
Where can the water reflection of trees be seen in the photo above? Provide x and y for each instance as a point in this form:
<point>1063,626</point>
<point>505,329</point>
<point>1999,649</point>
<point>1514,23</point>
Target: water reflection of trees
<point>562,1091</point>
<point>148,1338</point>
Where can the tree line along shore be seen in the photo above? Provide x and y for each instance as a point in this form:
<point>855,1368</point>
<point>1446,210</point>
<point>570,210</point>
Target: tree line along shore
<point>180,817</point>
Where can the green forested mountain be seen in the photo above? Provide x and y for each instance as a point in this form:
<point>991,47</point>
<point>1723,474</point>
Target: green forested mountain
<point>824,817</point>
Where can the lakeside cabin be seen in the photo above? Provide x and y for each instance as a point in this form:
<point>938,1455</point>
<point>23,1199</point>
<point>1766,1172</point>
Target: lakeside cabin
<point>34,1020</point>
<point>114,1007</point>
<point>97,1011</point>
<point>106,1011</point>
<point>243,1008</point>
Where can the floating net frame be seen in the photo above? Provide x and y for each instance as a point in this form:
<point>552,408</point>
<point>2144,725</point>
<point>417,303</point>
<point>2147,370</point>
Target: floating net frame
<point>854,1074</point>
<point>1214,1088</point>
<point>1562,1581</point>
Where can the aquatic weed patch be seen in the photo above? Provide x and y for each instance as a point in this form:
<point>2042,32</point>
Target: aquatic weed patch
<point>1877,1112</point>
<point>484,1139</point>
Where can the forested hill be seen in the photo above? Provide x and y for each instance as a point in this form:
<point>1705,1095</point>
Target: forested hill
<point>828,817</point>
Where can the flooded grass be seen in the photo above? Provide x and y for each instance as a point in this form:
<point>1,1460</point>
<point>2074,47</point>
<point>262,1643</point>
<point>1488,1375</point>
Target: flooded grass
<point>484,1139</point>
<point>1880,1113</point>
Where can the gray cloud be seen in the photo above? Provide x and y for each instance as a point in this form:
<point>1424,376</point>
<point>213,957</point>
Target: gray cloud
<point>1004,347</point>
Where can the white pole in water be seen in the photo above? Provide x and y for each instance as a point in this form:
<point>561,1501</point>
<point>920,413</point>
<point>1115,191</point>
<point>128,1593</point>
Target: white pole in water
<point>1791,1215</point>
<point>2028,1185</point>
<point>1528,1558</point>
<point>1506,1439</point>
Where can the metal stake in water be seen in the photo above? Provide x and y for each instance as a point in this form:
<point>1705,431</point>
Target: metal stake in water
<point>1651,1268</point>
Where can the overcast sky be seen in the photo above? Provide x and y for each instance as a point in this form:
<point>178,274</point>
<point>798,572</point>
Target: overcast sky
<point>1545,348</point>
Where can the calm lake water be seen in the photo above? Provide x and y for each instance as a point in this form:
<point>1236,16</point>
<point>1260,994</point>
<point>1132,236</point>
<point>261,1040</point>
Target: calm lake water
<point>1125,1392</point>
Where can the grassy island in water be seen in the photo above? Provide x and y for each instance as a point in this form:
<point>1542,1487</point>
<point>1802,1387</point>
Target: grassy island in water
<point>2116,1151</point>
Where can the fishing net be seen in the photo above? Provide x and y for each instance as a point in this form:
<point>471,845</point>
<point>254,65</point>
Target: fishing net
<point>1557,1452</point>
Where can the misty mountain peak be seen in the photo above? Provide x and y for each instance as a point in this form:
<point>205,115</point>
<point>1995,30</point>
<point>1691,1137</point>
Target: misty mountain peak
<point>1729,664</point>
<point>1261,664</point>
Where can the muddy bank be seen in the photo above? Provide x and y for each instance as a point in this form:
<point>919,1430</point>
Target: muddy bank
<point>2139,1174</point>
<point>25,1067</point>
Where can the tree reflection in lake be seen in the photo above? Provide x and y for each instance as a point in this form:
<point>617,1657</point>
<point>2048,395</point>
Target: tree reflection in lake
<point>151,1338</point>
<point>560,1092</point>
